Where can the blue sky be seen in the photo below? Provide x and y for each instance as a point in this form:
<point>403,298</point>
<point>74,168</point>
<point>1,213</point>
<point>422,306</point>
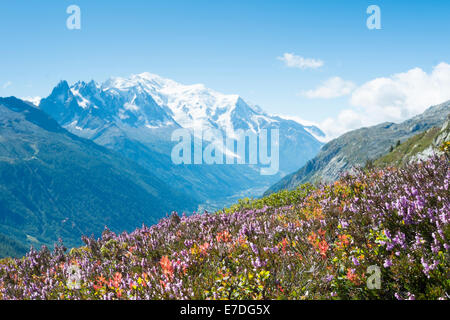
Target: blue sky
<point>234,47</point>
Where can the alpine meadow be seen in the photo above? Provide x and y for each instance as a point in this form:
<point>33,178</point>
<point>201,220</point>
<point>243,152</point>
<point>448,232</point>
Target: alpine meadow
<point>257,152</point>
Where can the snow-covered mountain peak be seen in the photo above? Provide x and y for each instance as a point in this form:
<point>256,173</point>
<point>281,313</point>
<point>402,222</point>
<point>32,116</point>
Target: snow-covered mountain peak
<point>146,108</point>
<point>147,100</point>
<point>33,100</point>
<point>192,106</point>
<point>159,86</point>
<point>82,84</point>
<point>153,79</point>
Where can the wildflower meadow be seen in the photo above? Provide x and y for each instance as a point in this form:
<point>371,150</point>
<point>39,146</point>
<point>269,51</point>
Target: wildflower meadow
<point>375,234</point>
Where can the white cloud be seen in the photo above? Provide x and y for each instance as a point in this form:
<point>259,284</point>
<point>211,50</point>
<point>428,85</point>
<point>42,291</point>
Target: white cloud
<point>346,120</point>
<point>293,61</point>
<point>7,84</point>
<point>393,99</point>
<point>404,94</point>
<point>332,88</point>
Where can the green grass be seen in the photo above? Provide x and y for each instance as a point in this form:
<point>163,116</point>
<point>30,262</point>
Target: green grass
<point>275,200</point>
<point>402,153</point>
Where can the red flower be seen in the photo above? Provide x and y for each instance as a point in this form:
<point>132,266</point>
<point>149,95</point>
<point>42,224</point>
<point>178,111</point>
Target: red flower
<point>224,236</point>
<point>352,276</point>
<point>115,282</point>
<point>204,248</point>
<point>323,248</point>
<point>284,244</point>
<point>166,266</point>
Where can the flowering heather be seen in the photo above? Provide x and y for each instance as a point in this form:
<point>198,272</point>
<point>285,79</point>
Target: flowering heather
<point>311,243</point>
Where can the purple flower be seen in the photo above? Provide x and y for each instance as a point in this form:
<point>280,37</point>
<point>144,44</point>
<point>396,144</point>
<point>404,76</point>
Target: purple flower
<point>387,263</point>
<point>254,248</point>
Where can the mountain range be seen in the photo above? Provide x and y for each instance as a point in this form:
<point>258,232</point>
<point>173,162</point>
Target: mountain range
<point>92,155</point>
<point>358,147</point>
<point>135,117</point>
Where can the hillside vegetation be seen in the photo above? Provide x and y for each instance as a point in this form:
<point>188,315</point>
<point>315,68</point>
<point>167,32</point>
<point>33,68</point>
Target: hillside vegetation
<point>54,184</point>
<point>11,248</point>
<point>331,242</point>
<point>420,146</point>
<point>357,147</point>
